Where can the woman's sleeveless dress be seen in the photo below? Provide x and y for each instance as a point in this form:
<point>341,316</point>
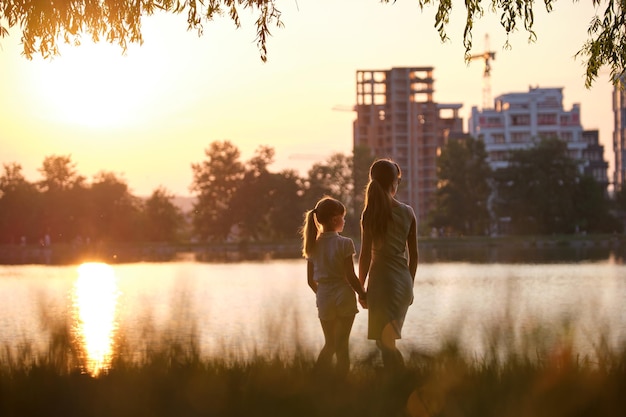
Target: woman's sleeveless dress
<point>390,289</point>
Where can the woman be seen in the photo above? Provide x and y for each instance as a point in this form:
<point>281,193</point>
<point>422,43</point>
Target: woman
<point>389,258</point>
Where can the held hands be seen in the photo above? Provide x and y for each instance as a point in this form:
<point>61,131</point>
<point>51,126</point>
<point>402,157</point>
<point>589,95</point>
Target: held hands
<point>363,300</point>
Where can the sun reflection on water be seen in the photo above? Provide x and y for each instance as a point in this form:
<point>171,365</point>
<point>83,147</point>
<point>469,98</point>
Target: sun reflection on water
<point>95,296</point>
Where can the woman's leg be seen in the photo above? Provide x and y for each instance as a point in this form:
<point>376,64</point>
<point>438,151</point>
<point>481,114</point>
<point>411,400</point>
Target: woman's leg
<point>342,344</point>
<point>392,358</point>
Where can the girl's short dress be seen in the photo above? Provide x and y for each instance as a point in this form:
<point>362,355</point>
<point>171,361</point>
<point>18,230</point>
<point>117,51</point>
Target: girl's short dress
<point>335,297</point>
<point>390,288</point>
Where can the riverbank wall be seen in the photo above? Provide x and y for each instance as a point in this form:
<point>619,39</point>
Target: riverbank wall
<point>544,249</point>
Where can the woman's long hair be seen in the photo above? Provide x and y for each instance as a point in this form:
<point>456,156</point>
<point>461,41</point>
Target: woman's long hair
<point>378,199</point>
<point>325,209</point>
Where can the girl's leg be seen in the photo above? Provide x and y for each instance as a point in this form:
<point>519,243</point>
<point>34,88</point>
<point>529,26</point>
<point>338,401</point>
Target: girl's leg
<point>325,357</point>
<point>342,344</point>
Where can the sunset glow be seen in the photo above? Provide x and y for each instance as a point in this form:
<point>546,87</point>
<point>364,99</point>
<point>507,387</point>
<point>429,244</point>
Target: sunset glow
<point>93,85</point>
<point>94,303</point>
<point>152,112</point>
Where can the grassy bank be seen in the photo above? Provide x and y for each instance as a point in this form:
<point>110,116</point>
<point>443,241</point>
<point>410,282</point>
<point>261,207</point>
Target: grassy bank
<point>175,380</point>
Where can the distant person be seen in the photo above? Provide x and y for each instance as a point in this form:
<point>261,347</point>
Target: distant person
<point>331,276</point>
<point>388,258</point>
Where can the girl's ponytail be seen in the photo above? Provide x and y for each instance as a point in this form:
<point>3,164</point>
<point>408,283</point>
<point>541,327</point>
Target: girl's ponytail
<point>309,233</point>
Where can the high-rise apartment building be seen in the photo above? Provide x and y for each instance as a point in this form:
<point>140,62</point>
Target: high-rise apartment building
<point>398,118</point>
<point>619,136</point>
<point>518,120</point>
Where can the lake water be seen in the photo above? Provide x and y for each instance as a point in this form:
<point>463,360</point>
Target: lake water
<point>239,309</point>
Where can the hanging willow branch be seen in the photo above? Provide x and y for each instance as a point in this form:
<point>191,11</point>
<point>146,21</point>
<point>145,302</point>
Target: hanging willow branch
<point>45,23</point>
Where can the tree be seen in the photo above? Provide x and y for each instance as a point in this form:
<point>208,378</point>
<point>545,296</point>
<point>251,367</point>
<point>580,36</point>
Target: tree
<point>19,207</point>
<point>362,159</point>
<point>333,177</point>
<point>267,206</point>
<point>113,211</point>
<point>593,208</point>
<point>59,173</point>
<point>287,210</point>
<point>162,217</point>
<point>62,188</point>
<point>45,23</point>
<point>538,189</point>
<point>12,178</point>
<point>253,200</point>
<point>606,43</point>
<point>463,189</point>
<point>215,181</point>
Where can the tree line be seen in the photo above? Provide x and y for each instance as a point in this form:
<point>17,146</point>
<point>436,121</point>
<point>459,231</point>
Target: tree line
<point>63,207</point>
<point>234,200</point>
<point>540,192</point>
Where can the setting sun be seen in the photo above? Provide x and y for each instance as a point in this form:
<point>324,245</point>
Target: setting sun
<point>94,85</point>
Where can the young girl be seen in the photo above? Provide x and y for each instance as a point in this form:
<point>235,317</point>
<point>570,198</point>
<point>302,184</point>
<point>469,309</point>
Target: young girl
<point>331,276</point>
<point>389,256</point>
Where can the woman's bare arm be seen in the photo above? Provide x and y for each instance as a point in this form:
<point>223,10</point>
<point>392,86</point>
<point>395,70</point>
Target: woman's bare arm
<point>365,257</point>
<point>412,247</point>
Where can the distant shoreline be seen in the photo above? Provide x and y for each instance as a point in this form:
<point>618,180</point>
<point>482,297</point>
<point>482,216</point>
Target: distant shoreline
<point>563,248</point>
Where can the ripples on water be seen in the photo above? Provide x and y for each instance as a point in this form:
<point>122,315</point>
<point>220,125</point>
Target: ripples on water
<point>240,309</point>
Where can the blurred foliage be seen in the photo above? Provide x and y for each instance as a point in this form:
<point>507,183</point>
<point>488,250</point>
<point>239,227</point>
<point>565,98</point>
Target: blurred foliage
<point>246,202</point>
<point>43,24</point>
<point>215,182</point>
<point>461,199</point>
<point>163,220</point>
<point>334,178</point>
<point>239,202</point>
<point>542,191</point>
<point>169,376</point>
<point>63,208</point>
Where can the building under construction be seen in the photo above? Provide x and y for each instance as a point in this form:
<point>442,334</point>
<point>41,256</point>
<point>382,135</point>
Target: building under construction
<point>397,118</point>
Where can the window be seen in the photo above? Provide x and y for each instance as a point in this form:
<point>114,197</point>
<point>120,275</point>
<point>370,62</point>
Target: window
<point>548,135</point>
<point>546,119</point>
<point>520,137</point>
<point>490,121</point>
<point>520,120</point>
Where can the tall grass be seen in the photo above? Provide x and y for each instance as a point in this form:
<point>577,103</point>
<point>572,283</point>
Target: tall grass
<point>170,377</point>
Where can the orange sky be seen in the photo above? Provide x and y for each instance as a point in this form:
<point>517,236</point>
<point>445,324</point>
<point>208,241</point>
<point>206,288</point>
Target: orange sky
<point>148,115</point>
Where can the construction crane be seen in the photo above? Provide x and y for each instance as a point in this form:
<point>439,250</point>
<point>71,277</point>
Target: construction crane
<point>487,56</point>
<point>344,108</point>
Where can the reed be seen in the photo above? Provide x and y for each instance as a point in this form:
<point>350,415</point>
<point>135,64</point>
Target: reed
<point>171,377</point>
